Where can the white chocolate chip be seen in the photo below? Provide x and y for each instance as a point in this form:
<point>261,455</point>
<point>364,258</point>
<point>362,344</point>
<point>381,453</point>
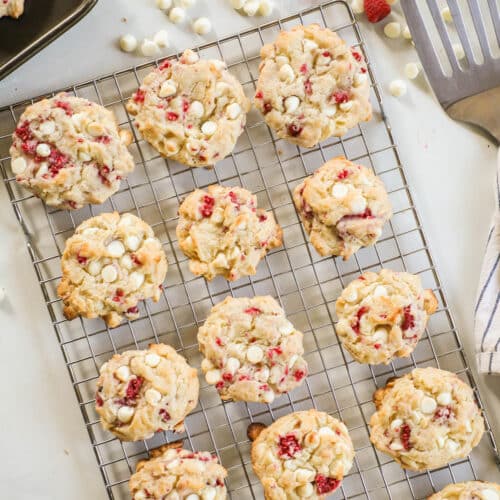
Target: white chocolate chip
<point>304,475</point>
<point>164,4</point>
<point>292,103</point>
<point>125,414</point>
<point>103,367</point>
<point>232,365</point>
<point>255,354</point>
<point>380,291</point>
<point>358,6</point>
<point>237,4</point>
<point>346,106</point>
<point>451,445</point>
<point>406,33</point>
<point>126,262</point>
<point>233,111</point>
<point>212,377</point>
<point>115,249</point>
<point>305,490</point>
<point>206,365</point>
<point>459,51</point>
<point>177,15</point>
<point>489,494</point>
<point>417,416</point>
<point>381,335</point>
<point>18,165</point>
<point>411,70</point>
<point>132,242</point>
<point>202,26</point>
<point>339,190</point>
<point>392,30</point>
<point>196,109</point>
<point>251,7</point>
<point>262,375</point>
<point>268,397</point>
<point>190,57</point>
<point>428,405</point>
<point>128,43</point>
<point>350,296</point>
<point>309,45</point>
<point>208,493</point>
<point>397,88</point>
<point>396,424</point>
<point>360,79</point>
<point>444,398</point>
<point>173,464</point>
<point>326,431</point>
<point>293,359</point>
<point>123,373</point>
<point>446,15</point>
<point>287,328</point>
<point>149,48</point>
<point>152,359</point>
<point>185,4</point>
<point>282,60</point>
<point>193,496</point>
<point>396,445</point>
<point>468,426</point>
<point>109,274</point>
<point>358,205</point>
<point>265,7</point>
<point>286,73</point>
<point>440,441</point>
<point>44,169</point>
<point>136,280</point>
<point>161,38</point>
<point>330,111</point>
<point>94,267</point>
<point>43,150</point>
<point>47,128</point>
<point>95,129</point>
<point>83,156</point>
<point>167,88</point>
<point>209,128</point>
<point>152,396</point>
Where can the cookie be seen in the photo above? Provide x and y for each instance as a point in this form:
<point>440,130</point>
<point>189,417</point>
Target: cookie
<point>141,392</point>
<point>252,352</point>
<point>470,490</point>
<point>312,86</point>
<point>12,8</point>
<point>174,473</point>
<point>191,110</point>
<point>383,315</point>
<point>304,454</point>
<point>69,152</point>
<point>223,232</point>
<point>343,207</point>
<point>426,419</point>
<point>111,263</point>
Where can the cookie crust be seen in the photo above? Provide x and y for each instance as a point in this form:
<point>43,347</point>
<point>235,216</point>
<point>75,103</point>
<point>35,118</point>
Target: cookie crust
<point>470,490</point>
<point>12,8</point>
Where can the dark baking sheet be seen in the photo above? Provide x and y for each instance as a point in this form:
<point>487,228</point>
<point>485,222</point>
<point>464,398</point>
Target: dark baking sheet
<point>42,22</point>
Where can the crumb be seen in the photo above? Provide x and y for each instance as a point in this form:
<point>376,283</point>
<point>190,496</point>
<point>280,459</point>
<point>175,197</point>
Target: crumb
<point>254,430</point>
<point>66,452</point>
<point>280,152</point>
<point>123,19</point>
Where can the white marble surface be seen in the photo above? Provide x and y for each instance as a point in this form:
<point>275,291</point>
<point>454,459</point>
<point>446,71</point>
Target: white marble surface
<point>45,449</point>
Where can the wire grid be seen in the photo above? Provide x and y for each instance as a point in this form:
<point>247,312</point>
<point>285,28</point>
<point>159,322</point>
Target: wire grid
<point>305,284</point>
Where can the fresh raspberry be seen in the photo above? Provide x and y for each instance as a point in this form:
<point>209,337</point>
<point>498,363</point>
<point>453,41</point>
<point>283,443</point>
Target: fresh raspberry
<point>227,376</point>
<point>81,260</point>
<point>404,435</point>
<point>376,10</point>
<point>288,446</point>
<point>408,319</point>
<point>185,106</point>
<point>326,54</point>
<point>357,55</point>
<point>325,484</point>
<point>135,259</point>
<point>361,312</point>
<point>253,311</point>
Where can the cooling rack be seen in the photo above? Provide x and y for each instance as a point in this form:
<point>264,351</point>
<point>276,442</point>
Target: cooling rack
<point>305,284</point>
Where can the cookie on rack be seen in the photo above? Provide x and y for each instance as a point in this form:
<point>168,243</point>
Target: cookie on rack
<point>70,152</point>
<point>223,232</point>
<point>470,490</point>
<point>12,8</point>
<point>141,392</point>
<point>343,207</point>
<point>383,315</point>
<point>312,86</point>
<point>111,263</point>
<point>426,419</point>
<point>251,351</point>
<point>174,473</point>
<point>191,110</point>
<point>305,454</point>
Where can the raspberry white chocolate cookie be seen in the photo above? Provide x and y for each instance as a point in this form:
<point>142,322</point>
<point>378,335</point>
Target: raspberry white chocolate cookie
<point>470,490</point>
<point>426,419</point>
<point>312,86</point>
<point>174,473</point>
<point>141,392</point>
<point>382,316</point>
<point>223,232</point>
<point>12,8</point>
<point>191,110</point>
<point>111,263</point>
<point>252,352</point>
<point>70,152</point>
<point>304,454</point>
<point>343,207</point>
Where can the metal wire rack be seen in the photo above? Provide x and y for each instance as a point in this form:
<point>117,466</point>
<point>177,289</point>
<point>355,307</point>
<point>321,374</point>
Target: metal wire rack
<point>305,284</point>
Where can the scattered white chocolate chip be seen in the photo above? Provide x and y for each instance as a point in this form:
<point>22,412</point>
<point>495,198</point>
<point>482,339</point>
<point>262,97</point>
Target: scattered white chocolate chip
<point>177,15</point>
<point>125,414</point>
<point>48,127</point>
<point>357,6</point>
<point>115,249</point>
<point>152,396</point>
<point>43,150</point>
<point>185,4</point>
<point>94,267</point>
<point>339,190</point>
<point>397,88</point>
<point>164,4</point>
<point>232,365</point>
<point>95,129</point>
<point>237,4</point>
<point>286,73</point>
<point>446,15</point>
<point>126,261</point>
<point>161,38</point>
<point>380,291</point>
<point>428,405</point>
<point>292,103</point>
<point>128,43</point>
<point>396,424</point>
<point>326,431</point>
<point>459,51</point>
<point>233,111</point>
<point>18,165</point>
<point>255,354</point>
<point>444,398</point>
<point>149,48</point>
<point>136,280</point>
<point>206,365</point>
<point>489,494</point>
<point>440,441</point>
<point>123,373</point>
<point>251,7</point>
<point>209,128</point>
<point>212,377</point>
<point>392,30</point>
<point>109,273</point>
<point>396,445</point>
<point>265,7</point>
<point>167,88</point>
<point>406,33</point>
<point>202,26</point>
<point>411,70</point>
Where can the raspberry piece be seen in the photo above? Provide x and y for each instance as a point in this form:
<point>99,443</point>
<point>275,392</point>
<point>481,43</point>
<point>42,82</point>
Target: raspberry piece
<point>326,484</point>
<point>103,139</point>
<point>228,377</point>
<point>98,399</point>
<point>139,96</point>
<point>288,446</point>
<point>357,56</point>
<point>262,217</point>
<point>377,346</point>
<point>361,312</point>
<point>340,96</point>
<point>219,385</point>
<point>408,319</point>
<point>404,435</point>
<point>443,414</point>
<point>103,175</point>
<point>259,95</point>
<point>66,106</point>
<point>274,350</point>
<point>326,54</point>
<point>185,106</point>
<point>299,375</point>
<point>172,117</point>
<point>308,87</point>
<point>268,107</point>
<point>133,388</point>
<point>164,415</point>
<point>218,341</point>
<point>164,65</point>
<point>294,130</point>
<point>24,132</point>
<point>135,259</point>
<point>304,69</point>
<point>133,310</point>
<point>376,10</point>
<point>343,174</point>
<point>207,207</point>
<point>253,311</point>
<point>81,260</point>
<point>118,295</point>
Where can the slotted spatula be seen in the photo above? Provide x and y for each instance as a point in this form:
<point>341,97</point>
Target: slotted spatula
<point>470,94</point>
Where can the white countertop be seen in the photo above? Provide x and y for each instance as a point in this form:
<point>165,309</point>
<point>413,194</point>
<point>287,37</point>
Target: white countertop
<point>46,453</point>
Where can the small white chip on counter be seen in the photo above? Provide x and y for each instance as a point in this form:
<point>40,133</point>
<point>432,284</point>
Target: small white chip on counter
<point>446,15</point>
<point>177,15</point>
<point>397,88</point>
<point>358,6</point>
<point>185,4</point>
<point>265,8</point>
<point>251,7</point>
<point>392,30</point>
<point>411,70</point>
<point>202,26</point>
<point>149,48</point>
<point>164,4</point>
<point>237,4</point>
<point>406,33</point>
<point>459,51</point>
<point>128,43</point>
<point>161,38</point>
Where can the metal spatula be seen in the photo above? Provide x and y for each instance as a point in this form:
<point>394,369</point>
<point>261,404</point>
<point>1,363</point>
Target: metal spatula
<point>472,93</point>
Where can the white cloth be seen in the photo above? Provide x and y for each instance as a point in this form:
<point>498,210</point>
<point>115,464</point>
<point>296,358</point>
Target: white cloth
<point>487,312</point>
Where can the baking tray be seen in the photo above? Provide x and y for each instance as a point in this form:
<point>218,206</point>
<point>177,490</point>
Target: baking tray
<point>41,23</point>
<point>305,284</point>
